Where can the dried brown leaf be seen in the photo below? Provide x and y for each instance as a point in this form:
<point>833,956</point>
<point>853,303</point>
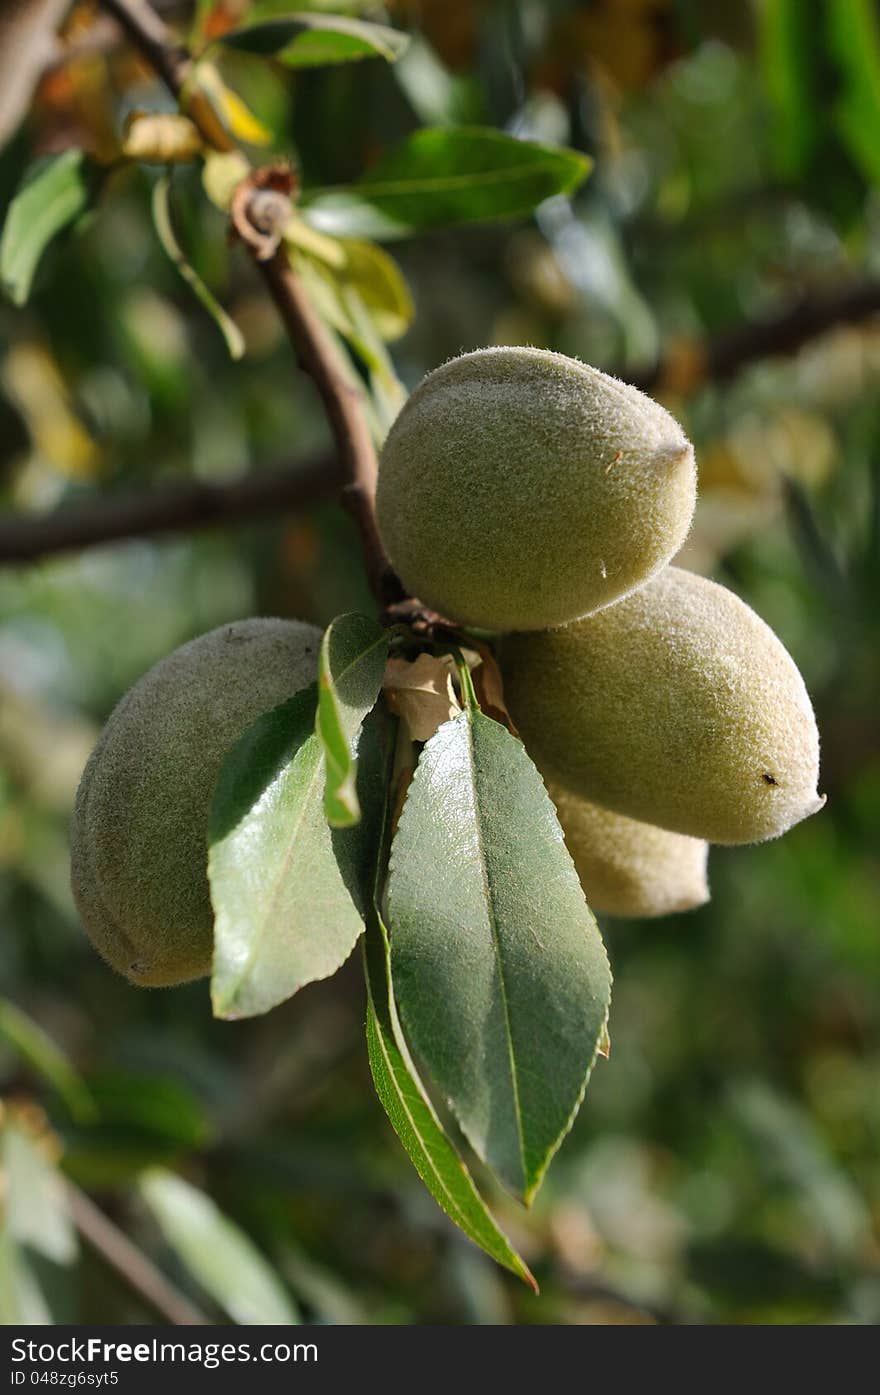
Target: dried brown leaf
<point>420,692</point>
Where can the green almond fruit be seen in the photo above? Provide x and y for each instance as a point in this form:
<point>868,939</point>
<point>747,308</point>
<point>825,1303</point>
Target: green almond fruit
<point>677,706</point>
<point>520,489</point>
<point>139,832</point>
<point>628,868</point>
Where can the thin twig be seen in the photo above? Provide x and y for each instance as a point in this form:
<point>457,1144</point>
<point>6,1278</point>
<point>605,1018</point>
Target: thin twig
<point>175,508</point>
<point>140,1273</point>
<point>311,342</point>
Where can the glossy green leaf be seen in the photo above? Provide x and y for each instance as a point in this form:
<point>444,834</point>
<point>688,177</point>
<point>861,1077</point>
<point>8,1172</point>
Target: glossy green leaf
<point>350,669</point>
<point>499,971</point>
<point>219,1255</point>
<point>286,888</point>
<point>443,176</point>
<point>165,231</point>
<point>56,192</point>
<point>39,1050</point>
<point>313,40</point>
<point>38,1245</point>
<point>414,1119</point>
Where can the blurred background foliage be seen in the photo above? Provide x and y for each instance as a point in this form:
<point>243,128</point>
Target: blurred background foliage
<point>726,1164</point>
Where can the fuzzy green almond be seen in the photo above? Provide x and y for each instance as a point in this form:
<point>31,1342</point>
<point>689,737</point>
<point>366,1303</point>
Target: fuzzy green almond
<point>139,832</point>
<point>520,489</point>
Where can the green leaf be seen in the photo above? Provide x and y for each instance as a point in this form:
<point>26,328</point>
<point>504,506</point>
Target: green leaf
<point>56,192</point>
<point>222,1259</point>
<point>786,34</point>
<point>443,176</point>
<point>312,40</point>
<point>38,1049</point>
<point>38,1245</point>
<point>499,971</point>
<point>350,670</point>
<point>854,38</point>
<point>287,890</point>
<point>405,1101</point>
<point>380,284</point>
<point>165,230</point>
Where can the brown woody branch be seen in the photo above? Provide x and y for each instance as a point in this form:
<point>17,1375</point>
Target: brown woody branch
<point>180,508</point>
<point>312,344</point>
<point>721,358</point>
<point>185,507</point>
<point>175,508</point>
<point>131,1264</point>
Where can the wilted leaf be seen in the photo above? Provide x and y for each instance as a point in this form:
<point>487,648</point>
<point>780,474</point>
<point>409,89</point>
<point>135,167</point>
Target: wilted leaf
<point>56,191</point>
<point>439,177</point>
<point>287,890</point>
<point>498,968</point>
<point>161,138</point>
<point>165,230</point>
<point>420,692</point>
<point>312,40</point>
<point>218,111</point>
<point>219,1255</point>
<point>350,668</point>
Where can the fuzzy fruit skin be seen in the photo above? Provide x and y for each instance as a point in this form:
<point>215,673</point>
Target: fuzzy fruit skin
<point>673,707</point>
<point>520,489</point>
<point>628,868</point>
<point>138,838</point>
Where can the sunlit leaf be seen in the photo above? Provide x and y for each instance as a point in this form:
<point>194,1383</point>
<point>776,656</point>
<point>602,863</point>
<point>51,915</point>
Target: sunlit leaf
<point>439,177</point>
<point>56,192</point>
<point>350,669</point>
<point>219,1255</point>
<point>38,1245</point>
<point>498,968</point>
<point>287,889</point>
<point>312,40</point>
<point>222,172</point>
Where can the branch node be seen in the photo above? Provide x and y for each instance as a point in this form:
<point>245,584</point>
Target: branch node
<point>261,207</point>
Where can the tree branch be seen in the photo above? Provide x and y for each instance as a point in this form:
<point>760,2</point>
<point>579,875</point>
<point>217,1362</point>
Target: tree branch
<point>720,358</point>
<point>139,1272</point>
<point>175,508</point>
<point>311,342</point>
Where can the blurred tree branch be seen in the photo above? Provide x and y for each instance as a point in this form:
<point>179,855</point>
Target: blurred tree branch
<point>722,357</point>
<point>175,508</point>
<point>125,1259</point>
<point>311,341</point>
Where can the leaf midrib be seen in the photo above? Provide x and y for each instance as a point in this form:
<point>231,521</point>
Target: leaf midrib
<point>257,938</point>
<point>496,945</point>
<point>428,184</point>
<point>455,1205</point>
